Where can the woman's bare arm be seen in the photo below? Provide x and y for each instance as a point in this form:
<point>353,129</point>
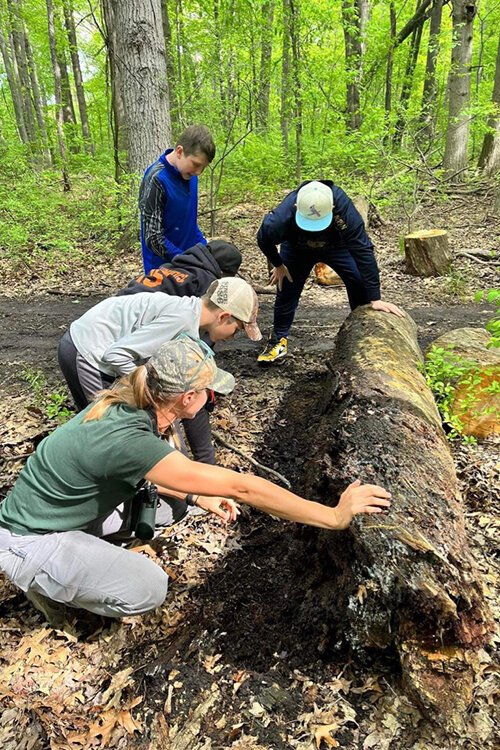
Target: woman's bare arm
<point>176,472</point>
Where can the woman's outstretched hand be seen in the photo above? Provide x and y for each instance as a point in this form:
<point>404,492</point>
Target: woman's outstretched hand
<point>223,507</point>
<point>361,498</point>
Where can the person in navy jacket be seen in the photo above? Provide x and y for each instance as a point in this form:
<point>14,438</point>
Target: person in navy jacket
<point>317,223</point>
<point>168,198</point>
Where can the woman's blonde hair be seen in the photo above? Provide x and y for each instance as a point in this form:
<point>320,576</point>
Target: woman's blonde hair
<point>141,389</point>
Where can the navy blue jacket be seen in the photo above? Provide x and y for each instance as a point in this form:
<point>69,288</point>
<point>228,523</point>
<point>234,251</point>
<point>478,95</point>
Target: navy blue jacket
<point>188,274</point>
<point>347,231</point>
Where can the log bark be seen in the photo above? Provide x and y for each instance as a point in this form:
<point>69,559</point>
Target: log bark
<point>427,253</point>
<point>476,402</point>
<point>406,580</point>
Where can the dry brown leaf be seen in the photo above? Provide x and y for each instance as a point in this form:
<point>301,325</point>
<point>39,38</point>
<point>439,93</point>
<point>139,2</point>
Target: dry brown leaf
<point>322,734</point>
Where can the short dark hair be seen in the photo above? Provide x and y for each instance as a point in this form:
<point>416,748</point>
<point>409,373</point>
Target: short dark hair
<point>197,138</point>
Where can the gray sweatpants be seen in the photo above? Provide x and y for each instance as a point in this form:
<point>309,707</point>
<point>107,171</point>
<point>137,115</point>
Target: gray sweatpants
<point>81,570</point>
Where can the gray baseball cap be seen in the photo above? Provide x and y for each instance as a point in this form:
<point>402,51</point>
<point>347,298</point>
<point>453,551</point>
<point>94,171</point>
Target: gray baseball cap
<point>188,364</point>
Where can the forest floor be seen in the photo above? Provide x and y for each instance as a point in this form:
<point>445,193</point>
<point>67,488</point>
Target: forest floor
<point>225,663</point>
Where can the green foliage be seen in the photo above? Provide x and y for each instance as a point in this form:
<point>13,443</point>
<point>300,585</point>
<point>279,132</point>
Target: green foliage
<point>493,325</point>
<point>445,372</point>
<point>54,404</point>
<point>455,283</point>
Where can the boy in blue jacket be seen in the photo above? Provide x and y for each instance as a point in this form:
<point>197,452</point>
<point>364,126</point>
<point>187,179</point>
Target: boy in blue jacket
<point>317,223</point>
<point>168,197</point>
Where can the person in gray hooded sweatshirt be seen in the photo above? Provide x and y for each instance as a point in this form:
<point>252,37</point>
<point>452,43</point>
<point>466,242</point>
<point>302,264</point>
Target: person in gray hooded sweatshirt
<point>121,333</point>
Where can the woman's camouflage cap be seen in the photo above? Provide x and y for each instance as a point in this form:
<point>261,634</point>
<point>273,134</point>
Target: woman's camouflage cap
<point>187,364</point>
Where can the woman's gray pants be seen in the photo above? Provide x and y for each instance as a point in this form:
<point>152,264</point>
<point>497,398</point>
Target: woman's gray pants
<point>81,570</point>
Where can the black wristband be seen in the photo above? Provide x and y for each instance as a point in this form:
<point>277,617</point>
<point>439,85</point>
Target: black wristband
<point>190,499</point>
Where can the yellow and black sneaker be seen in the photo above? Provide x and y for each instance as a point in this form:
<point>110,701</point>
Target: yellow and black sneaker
<point>275,352</point>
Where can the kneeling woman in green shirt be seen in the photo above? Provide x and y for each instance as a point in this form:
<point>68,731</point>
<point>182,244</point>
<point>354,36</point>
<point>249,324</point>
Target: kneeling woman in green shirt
<point>83,478</point>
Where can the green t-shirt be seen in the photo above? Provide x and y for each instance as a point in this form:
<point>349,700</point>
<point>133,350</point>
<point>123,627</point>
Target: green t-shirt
<point>82,471</point>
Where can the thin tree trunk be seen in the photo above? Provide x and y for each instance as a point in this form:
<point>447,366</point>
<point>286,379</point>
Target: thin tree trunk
<point>77,74</point>
<point>489,158</point>
<point>57,95</point>
<point>390,64</point>
<point>179,31</point>
<point>15,90</point>
<point>173,89</point>
<point>113,72</point>
<point>68,107</point>
<point>455,159</point>
<point>22,68</point>
<point>37,101</point>
<point>297,89</point>
<point>351,23</point>
<point>285,77</point>
<point>262,103</point>
<point>430,85</point>
<point>408,81</point>
<point>140,57</point>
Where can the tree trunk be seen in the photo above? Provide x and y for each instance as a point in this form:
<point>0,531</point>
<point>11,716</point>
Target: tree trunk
<point>296,85</point>
<point>406,580</point>
<point>77,74</point>
<point>140,58</point>
<point>266,47</point>
<point>457,135</point>
<point>285,78</point>
<point>351,23</point>
<point>472,370</point>
<point>390,64</point>
<point>430,85</point>
<point>19,54</point>
<point>117,108</point>
<point>37,101</point>
<point>57,95</point>
<point>408,80</point>
<point>15,90</point>
<point>489,159</point>
<point>173,89</point>
<point>427,253</point>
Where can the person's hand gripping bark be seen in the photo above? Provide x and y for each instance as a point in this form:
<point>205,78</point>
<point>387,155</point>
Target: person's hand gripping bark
<point>361,498</point>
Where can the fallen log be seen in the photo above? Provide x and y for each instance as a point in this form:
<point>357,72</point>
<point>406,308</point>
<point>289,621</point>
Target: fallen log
<point>473,372</point>
<point>427,252</point>
<point>405,580</point>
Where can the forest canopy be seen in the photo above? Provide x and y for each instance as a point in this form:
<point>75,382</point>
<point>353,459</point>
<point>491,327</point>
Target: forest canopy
<point>376,95</point>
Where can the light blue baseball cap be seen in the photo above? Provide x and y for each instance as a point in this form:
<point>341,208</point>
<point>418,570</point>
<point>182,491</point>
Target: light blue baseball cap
<point>314,207</point>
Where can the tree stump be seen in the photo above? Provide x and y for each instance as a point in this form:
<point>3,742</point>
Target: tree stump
<point>405,580</point>
<point>476,399</point>
<point>427,253</point>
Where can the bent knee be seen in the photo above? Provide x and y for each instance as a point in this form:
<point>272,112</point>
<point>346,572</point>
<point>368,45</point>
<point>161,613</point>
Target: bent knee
<point>146,594</point>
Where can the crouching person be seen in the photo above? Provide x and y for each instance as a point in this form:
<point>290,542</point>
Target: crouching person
<point>50,545</point>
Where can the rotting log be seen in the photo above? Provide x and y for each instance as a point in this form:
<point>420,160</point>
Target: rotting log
<point>476,397</point>
<point>405,580</point>
<point>427,253</point>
